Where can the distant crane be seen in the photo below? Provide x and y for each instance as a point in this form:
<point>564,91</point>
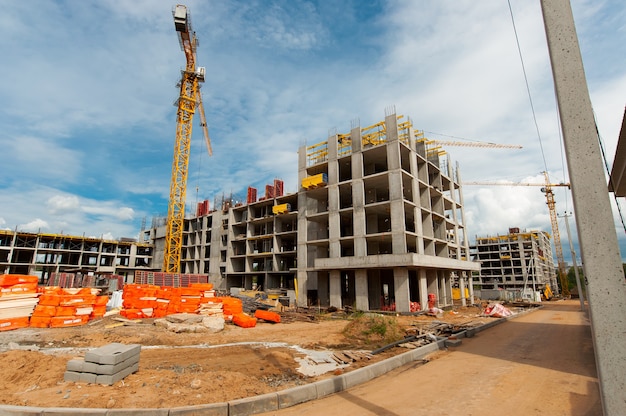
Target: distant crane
<point>474,144</point>
<point>190,98</point>
<point>546,189</point>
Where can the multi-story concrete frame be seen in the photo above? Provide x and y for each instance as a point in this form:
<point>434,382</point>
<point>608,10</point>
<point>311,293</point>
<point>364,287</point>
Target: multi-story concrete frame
<point>42,254</point>
<point>240,245</point>
<point>515,261</point>
<point>388,226</point>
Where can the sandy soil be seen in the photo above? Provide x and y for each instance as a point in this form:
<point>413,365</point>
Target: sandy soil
<point>541,363</point>
<point>179,369</point>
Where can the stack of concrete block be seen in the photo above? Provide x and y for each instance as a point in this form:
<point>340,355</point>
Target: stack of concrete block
<point>104,365</point>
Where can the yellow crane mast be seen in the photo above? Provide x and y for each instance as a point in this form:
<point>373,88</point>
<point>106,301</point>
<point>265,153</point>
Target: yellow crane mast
<point>187,102</point>
<point>546,188</point>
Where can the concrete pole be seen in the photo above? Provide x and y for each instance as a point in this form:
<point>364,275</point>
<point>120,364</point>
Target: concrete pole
<point>581,297</point>
<point>606,286</point>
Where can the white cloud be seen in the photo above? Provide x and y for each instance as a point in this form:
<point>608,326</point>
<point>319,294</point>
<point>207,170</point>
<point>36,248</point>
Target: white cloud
<point>34,226</point>
<point>63,204</point>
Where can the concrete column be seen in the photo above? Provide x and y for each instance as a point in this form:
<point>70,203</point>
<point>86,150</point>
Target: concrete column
<point>599,248</point>
<point>358,193</point>
<point>334,225</point>
<point>433,284</point>
<point>302,249</point>
<point>462,289</point>
<point>322,289</point>
<point>442,297</point>
<point>471,288</point>
<point>361,288</point>
<point>401,289</point>
<point>335,288</point>
<point>423,288</point>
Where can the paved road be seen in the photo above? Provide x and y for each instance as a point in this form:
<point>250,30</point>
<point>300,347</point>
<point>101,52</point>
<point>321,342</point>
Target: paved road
<point>541,363</point>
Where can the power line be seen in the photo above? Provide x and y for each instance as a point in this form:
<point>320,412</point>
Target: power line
<point>530,99</point>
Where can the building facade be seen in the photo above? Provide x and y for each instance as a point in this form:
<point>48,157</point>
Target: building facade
<point>386,225</point>
<point>43,254</point>
<point>517,261</point>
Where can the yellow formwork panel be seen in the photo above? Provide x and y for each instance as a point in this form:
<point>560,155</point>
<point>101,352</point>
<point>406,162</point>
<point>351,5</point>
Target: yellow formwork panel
<point>315,181</point>
<point>281,209</point>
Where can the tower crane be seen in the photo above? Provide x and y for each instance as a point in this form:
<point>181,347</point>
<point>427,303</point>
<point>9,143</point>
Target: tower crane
<point>546,189</point>
<point>189,99</point>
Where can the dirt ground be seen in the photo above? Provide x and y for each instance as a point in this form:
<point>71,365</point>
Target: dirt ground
<point>180,369</point>
<point>540,363</point>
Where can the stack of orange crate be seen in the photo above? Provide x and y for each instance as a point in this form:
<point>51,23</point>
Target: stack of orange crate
<point>62,307</point>
<point>139,301</point>
<point>150,301</point>
<point>18,297</point>
<point>232,307</point>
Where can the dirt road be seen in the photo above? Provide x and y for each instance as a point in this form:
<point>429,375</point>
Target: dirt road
<point>541,363</point>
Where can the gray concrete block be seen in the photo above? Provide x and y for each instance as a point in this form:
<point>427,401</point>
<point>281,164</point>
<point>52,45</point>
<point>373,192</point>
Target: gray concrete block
<point>62,411</point>
<point>137,412</point>
<point>453,342</point>
<point>296,395</point>
<point>329,386</point>
<point>379,368</point>
<point>114,378</point>
<point>75,365</point>
<point>213,409</point>
<point>8,410</point>
<point>88,378</point>
<point>112,353</point>
<point>356,377</point>
<point>71,376</point>
<point>110,369</point>
<point>251,405</point>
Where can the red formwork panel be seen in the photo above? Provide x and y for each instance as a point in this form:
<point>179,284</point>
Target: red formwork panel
<point>279,188</point>
<point>251,195</point>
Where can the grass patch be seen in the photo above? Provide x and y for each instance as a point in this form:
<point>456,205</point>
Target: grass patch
<point>372,331</point>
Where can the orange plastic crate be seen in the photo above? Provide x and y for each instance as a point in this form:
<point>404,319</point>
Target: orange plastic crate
<point>267,315</point>
<point>44,311</point>
<point>244,321</point>
<point>49,300</point>
<point>65,321</point>
<point>13,323</point>
<point>40,321</point>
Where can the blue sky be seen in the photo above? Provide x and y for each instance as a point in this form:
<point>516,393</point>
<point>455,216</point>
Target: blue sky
<point>87,124</point>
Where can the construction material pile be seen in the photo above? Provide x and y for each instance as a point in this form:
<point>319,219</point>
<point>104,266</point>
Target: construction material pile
<point>151,301</point>
<point>18,297</point>
<point>23,303</point>
<point>104,365</point>
<point>62,307</point>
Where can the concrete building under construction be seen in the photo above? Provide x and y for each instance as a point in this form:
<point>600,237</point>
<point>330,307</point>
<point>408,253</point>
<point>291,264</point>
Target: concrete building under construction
<point>517,261</point>
<point>44,254</point>
<point>377,224</point>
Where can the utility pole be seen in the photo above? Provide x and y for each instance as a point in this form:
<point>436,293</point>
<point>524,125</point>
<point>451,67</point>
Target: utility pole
<point>581,296</point>
<point>602,264</point>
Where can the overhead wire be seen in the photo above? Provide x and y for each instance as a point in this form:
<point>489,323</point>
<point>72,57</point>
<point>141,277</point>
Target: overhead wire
<point>530,99</point>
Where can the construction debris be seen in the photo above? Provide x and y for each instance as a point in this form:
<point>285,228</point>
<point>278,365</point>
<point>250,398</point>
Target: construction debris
<point>347,357</point>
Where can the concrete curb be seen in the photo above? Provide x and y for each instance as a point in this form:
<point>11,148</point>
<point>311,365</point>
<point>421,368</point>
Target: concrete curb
<point>278,400</point>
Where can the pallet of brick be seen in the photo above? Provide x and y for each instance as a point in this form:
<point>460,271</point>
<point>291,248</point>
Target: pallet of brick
<point>105,365</point>
<point>18,298</point>
<point>64,307</point>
